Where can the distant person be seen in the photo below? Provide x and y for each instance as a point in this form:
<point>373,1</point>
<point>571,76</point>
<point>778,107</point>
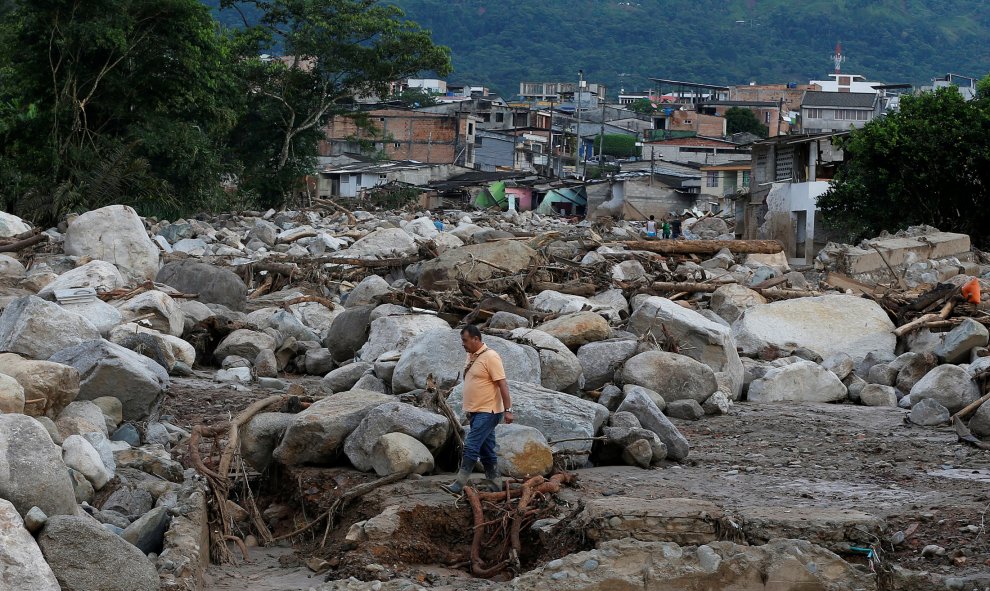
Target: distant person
<point>666,230</point>
<point>438,224</point>
<point>675,227</point>
<point>651,227</point>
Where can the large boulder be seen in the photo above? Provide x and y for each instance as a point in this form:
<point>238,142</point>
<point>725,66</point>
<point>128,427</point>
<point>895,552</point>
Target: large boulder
<point>600,360</point>
<point>107,369</point>
<point>440,353</point>
<point>913,367</point>
<point>979,424</point>
<point>114,234</point>
<point>695,336</point>
<point>394,333</point>
<point>244,343</point>
<point>11,225</point>
<point>261,435</point>
<point>37,328</point>
<point>99,275</point>
<point>84,555</point>
<point>432,430</point>
<point>48,387</point>
<point>80,455</point>
<point>577,329</point>
<point>398,452</point>
<point>949,385</point>
<point>801,381</point>
<point>367,292</point>
<point>156,308</point>
<point>827,325</point>
<point>522,451</point>
<point>11,269</point>
<point>673,376</point>
<point>555,414</point>
<point>959,341</point>
<point>730,301</point>
<point>349,332</point>
<point>344,377</point>
<point>560,369</point>
<point>32,473</point>
<point>164,349</point>
<point>609,304</point>
<point>317,434</point>
<point>213,285</point>
<point>469,262</point>
<point>639,404</point>
<point>21,564</point>
<point>383,243</point>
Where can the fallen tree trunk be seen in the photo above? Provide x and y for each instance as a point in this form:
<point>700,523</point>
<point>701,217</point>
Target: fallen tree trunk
<point>768,292</point>
<point>706,247</point>
<point>22,244</point>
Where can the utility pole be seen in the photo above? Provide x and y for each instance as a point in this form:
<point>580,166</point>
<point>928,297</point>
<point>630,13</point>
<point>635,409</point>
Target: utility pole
<point>652,161</point>
<point>601,143</point>
<point>550,138</point>
<point>577,112</point>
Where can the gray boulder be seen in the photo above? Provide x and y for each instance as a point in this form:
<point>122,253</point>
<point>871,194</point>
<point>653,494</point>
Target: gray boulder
<point>654,396</point>
<point>841,364</point>
<point>383,243</point>
<point>158,309</point>
<point>344,377</point>
<point>244,343</point>
<point>503,320</point>
<point>883,374</point>
<point>85,555</point>
<point>81,416</point>
<point>878,395</point>
<point>213,285</point>
<point>148,532</point>
<point>317,434</point>
<point>802,381</point>
<point>913,367</point>
<point>318,362</point>
<point>949,385</point>
<point>398,452</point>
<point>465,262</point>
<point>560,369</point>
<point>673,376</point>
<point>826,325</point>
<point>601,359</point>
<point>81,456</point>
<point>349,332</point>
<point>980,423</point>
<point>440,353</point>
<point>961,340</point>
<point>23,566</point>
<point>394,333</point>
<point>98,275</point>
<point>368,292</point>
<point>929,413</point>
<point>129,502</point>
<point>107,369</point>
<point>261,435</point>
<point>523,451</point>
<point>430,429</point>
<point>114,234</point>
<point>37,328</point>
<point>643,408</point>
<point>555,414</point>
<point>730,301</point>
<point>32,473</point>
<point>687,409</point>
<point>578,328</point>
<point>696,336</point>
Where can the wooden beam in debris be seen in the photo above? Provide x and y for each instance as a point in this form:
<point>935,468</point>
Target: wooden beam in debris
<point>706,247</point>
<point>688,287</point>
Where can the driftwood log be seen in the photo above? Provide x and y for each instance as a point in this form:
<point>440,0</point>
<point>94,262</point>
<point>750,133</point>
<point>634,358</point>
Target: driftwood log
<point>705,247</point>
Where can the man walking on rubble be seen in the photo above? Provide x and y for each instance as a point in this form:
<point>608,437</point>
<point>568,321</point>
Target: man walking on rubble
<point>486,403</point>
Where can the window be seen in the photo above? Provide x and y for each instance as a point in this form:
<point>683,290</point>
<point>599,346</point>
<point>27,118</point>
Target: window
<point>767,116</point>
<point>745,182</point>
<point>486,117</point>
<point>852,115</point>
<point>477,140</point>
<point>814,114</point>
<point>712,178</point>
<point>499,117</point>
<point>470,128</point>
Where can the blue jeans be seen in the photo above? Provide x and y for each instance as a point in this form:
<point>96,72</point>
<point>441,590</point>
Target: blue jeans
<point>480,442</point>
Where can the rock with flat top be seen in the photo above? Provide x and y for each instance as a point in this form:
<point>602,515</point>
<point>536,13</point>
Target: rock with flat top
<point>114,234</point>
<point>577,329</point>
<point>98,275</point>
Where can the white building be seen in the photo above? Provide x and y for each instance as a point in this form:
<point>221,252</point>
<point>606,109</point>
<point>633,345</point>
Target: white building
<point>847,83</point>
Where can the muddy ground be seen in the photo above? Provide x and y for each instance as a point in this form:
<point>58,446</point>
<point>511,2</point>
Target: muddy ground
<point>794,457</point>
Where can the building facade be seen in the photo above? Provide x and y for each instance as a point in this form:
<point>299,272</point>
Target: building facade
<point>823,112</point>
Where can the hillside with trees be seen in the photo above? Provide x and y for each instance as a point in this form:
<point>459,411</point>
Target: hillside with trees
<point>623,43</point>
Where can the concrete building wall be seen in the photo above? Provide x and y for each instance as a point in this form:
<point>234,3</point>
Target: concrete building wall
<point>406,135</point>
<point>791,217</point>
<point>492,151</point>
<point>814,119</point>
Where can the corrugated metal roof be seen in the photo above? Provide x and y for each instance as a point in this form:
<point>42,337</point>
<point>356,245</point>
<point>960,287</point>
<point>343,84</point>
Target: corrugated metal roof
<point>842,100</point>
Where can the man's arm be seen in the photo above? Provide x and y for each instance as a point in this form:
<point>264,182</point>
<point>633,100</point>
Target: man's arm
<point>503,390</point>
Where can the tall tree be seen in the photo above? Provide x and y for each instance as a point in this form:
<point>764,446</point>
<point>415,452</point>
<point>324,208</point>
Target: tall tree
<point>122,101</point>
<point>926,163</point>
<point>333,51</point>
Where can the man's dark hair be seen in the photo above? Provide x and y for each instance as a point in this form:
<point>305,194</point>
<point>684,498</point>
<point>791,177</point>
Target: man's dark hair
<point>471,330</point>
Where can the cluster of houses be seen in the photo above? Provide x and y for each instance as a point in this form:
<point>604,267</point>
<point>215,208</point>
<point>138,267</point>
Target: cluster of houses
<point>539,150</point>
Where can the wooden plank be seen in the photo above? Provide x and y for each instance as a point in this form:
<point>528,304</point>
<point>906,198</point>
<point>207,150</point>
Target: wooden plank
<point>705,247</point>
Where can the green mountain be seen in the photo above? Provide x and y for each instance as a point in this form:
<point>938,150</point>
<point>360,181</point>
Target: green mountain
<point>500,43</point>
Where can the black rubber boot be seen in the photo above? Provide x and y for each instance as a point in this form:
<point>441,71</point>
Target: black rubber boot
<point>494,478</point>
<point>457,486</point>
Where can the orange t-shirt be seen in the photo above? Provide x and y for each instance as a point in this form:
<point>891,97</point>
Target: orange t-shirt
<point>481,393</point>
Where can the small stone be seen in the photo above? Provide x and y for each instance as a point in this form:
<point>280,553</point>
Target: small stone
<point>929,413</point>
<point>897,538</point>
<point>156,433</point>
<point>555,564</point>
<point>687,409</point>
<point>34,520</point>
<point>590,564</point>
<point>127,433</point>
<point>558,576</point>
<point>615,521</point>
<point>265,364</point>
<point>932,550</point>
